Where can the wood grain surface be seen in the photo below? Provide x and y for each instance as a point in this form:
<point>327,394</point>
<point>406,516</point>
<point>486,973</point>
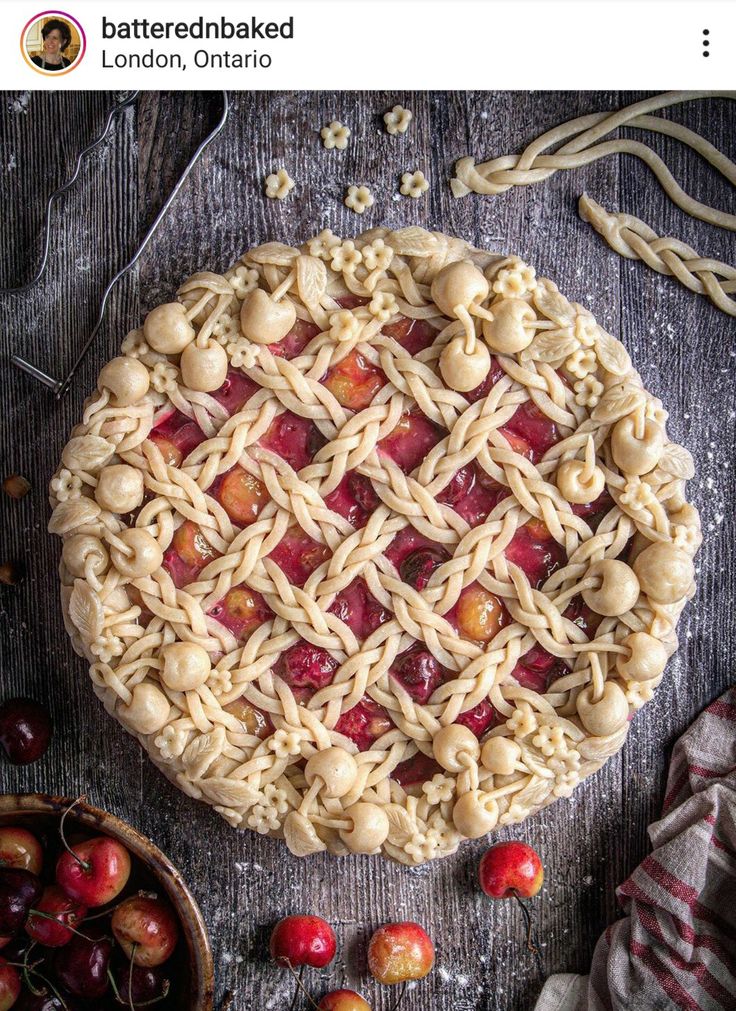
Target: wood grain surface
<point>683,347</point>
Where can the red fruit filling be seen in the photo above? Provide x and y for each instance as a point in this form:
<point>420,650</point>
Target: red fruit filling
<point>414,335</point>
<point>406,542</point>
<point>241,611</point>
<point>480,718</point>
<point>594,511</point>
<point>354,381</point>
<point>419,672</point>
<point>188,553</point>
<point>417,568</point>
<point>364,723</point>
<point>482,391</point>
<point>354,499</point>
<point>411,440</point>
<point>295,341</point>
<point>579,613</point>
<point>537,669</point>
<point>535,551</point>
<point>298,555</point>
<point>293,438</point>
<point>459,486</point>
<point>254,720</point>
<point>304,665</point>
<point>176,436</point>
<point>416,770</point>
<point>241,495</point>
<point>359,609</point>
<point>235,391</point>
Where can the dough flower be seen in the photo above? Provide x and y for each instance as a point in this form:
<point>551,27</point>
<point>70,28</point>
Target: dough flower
<point>107,646</point>
<point>163,377</point>
<point>383,306</point>
<point>522,722</point>
<point>66,486</point>
<point>588,391</point>
<point>439,789</point>
<point>413,184</point>
<point>345,257</point>
<point>226,329</point>
<point>377,255</point>
<point>134,345</point>
<point>344,325</point>
<point>171,742</point>
<point>335,135</point>
<point>397,120</point>
<point>323,244</point>
<point>242,354</point>
<point>581,363</point>
<point>243,280</point>
<point>279,184</point>
<point>285,743</point>
<point>511,282</point>
<point>220,682</point>
<point>359,199</point>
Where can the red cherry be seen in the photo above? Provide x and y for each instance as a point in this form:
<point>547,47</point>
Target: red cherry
<point>304,665</point>
<point>298,555</point>
<point>19,848</point>
<point>363,491</point>
<point>82,966</point>
<point>417,568</point>
<point>364,723</point>
<point>511,869</point>
<point>354,381</point>
<point>343,1000</point>
<point>10,985</point>
<point>415,770</point>
<point>535,551</point>
<point>289,436</point>
<point>414,335</point>
<point>419,672</point>
<point>19,892</point>
<point>398,952</point>
<point>411,440</point>
<point>60,913</point>
<point>479,718</point>
<point>460,485</point>
<point>303,940</point>
<point>146,929</point>
<point>139,985</point>
<point>359,609</point>
<point>25,730</point>
<point>95,872</point>
<point>295,341</point>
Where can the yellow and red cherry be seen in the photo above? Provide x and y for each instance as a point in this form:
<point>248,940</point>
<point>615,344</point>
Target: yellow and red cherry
<point>418,567</point>
<point>171,453</point>
<point>254,720</point>
<point>399,952</point>
<point>354,381</point>
<point>343,1000</point>
<point>480,614</point>
<point>10,985</point>
<point>511,870</point>
<point>25,730</point>
<point>305,665</point>
<point>192,546</point>
<point>241,610</point>
<point>146,929</point>
<point>303,940</point>
<point>242,496</point>
<point>20,848</point>
<point>50,920</point>
<point>364,723</point>
<point>419,672</point>
<point>94,871</point>
<point>19,892</point>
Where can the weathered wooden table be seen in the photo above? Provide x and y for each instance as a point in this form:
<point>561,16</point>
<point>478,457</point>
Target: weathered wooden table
<point>682,346</point>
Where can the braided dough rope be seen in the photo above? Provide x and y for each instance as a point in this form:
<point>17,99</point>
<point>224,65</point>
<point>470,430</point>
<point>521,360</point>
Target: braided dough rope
<point>534,165</point>
<point>171,673</point>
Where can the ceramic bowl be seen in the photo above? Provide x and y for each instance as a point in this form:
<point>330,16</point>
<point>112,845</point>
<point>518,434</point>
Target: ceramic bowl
<point>43,812</point>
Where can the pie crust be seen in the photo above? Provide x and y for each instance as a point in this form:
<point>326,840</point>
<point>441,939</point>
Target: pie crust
<point>338,599</point>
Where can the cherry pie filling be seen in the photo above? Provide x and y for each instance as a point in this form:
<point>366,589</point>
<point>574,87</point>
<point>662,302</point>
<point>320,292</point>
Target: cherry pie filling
<point>478,615</point>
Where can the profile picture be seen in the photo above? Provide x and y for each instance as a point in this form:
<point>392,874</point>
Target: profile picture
<point>53,43</point>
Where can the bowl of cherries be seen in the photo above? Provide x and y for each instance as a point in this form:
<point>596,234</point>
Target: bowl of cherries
<point>93,917</point>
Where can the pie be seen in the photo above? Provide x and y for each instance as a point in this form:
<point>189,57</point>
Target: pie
<point>374,544</point>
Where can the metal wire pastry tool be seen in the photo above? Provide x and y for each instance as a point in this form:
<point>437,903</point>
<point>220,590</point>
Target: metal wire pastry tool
<point>60,386</point>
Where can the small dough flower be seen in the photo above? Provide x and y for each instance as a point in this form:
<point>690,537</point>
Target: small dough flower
<point>550,740</point>
<point>383,306</point>
<point>66,486</point>
<point>685,537</point>
<point>220,681</point>
<point>588,391</point>
<point>226,329</point>
<point>413,184</point>
<point>344,325</point>
<point>265,816</point>
<point>242,354</point>
<point>637,495</point>
<point>345,257</point>
<point>581,363</point>
<point>134,345</point>
<point>279,184</point>
<point>511,282</point>
<point>323,244</point>
<point>586,330</point>
<point>107,646</point>
<point>171,742</point>
<point>243,280</point>
<point>163,377</point>
<point>439,789</point>
<point>377,255</point>
<point>285,743</point>
<point>638,693</point>
<point>359,199</point>
<point>335,135</point>
<point>397,120</point>
<point>522,722</point>
<point>422,846</point>
<point>567,772</point>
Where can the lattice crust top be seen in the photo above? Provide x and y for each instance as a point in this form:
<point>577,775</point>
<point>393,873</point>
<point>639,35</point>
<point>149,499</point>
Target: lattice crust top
<point>343,602</point>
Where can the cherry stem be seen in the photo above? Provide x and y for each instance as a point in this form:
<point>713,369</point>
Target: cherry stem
<point>130,977</point>
<point>298,977</point>
<point>530,939</point>
<point>400,998</point>
<point>66,926</point>
<point>82,863</point>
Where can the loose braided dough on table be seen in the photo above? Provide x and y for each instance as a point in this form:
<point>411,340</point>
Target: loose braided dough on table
<point>168,672</point>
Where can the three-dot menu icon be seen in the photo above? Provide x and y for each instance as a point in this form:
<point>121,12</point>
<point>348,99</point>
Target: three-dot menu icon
<point>706,42</point>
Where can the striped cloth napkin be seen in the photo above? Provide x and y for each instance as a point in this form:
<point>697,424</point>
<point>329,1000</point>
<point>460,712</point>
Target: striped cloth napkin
<point>676,946</point>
